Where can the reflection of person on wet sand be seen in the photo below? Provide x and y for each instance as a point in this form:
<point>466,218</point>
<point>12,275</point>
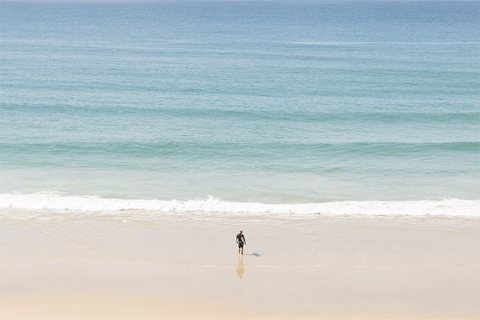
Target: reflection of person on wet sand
<point>241,241</point>
<point>240,267</point>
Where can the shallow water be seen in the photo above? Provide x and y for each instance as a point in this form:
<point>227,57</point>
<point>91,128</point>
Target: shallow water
<point>272,103</point>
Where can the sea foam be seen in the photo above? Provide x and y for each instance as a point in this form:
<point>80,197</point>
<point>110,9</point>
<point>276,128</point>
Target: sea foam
<point>57,201</point>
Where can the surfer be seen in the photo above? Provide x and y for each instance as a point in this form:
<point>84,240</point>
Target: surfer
<point>240,241</point>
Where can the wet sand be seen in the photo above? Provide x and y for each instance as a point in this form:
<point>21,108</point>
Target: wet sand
<point>180,268</point>
<point>113,290</point>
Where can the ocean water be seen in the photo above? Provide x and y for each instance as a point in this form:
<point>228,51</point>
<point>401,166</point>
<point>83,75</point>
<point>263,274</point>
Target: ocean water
<point>240,107</point>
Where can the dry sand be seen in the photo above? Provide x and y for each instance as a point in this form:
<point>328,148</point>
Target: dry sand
<point>361,268</point>
<point>124,290</point>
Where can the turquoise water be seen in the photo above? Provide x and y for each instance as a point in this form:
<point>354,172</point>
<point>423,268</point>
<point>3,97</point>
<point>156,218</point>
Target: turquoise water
<point>240,102</point>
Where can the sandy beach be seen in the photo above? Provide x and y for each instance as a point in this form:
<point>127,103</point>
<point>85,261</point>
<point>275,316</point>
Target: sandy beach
<point>139,137</point>
<point>177,268</point>
<point>150,292</point>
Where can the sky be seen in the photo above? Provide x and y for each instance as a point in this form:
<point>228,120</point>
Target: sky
<point>66,1</point>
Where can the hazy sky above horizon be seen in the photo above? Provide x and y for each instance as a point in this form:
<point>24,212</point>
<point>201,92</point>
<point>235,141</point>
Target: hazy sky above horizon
<point>137,1</point>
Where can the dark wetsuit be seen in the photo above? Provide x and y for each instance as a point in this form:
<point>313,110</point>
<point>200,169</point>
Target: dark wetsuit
<point>240,239</point>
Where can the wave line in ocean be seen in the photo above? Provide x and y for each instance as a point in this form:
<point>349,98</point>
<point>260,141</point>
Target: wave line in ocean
<point>57,201</point>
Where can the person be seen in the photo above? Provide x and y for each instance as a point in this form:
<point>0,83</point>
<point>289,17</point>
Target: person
<point>241,241</point>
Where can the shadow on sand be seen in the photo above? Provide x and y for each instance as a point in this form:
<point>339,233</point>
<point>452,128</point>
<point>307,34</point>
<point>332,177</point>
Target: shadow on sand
<point>253,254</point>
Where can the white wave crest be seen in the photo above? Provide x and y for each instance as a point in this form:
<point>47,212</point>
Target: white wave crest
<point>56,201</point>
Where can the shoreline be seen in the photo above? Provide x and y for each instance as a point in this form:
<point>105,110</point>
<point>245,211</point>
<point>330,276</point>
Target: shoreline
<point>181,267</point>
<point>112,290</point>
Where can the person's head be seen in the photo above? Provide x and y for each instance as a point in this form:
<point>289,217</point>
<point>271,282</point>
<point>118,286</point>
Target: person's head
<point>241,231</point>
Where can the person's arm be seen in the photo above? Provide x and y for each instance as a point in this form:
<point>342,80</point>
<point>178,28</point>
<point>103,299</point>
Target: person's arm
<point>244,241</point>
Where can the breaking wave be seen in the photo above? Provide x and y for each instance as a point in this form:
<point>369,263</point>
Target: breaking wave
<point>59,202</point>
